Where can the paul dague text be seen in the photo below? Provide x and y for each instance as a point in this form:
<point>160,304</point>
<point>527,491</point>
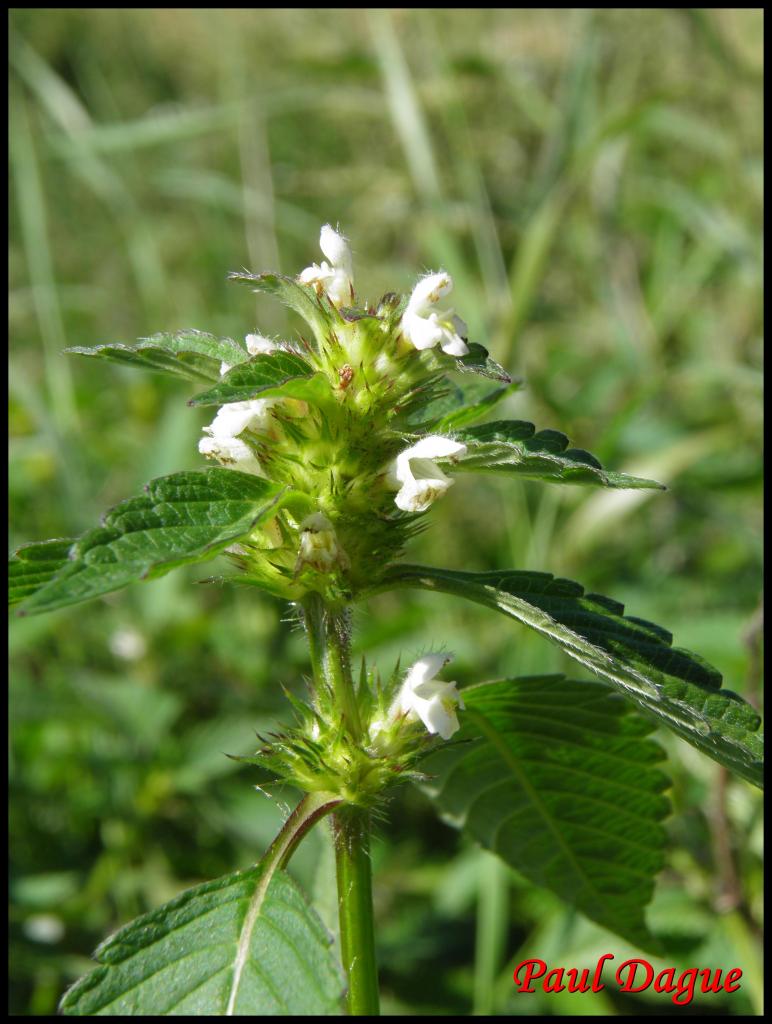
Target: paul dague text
<point>631,976</point>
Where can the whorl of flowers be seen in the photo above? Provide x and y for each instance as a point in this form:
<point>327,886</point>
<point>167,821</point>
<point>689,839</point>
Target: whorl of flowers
<point>348,432</point>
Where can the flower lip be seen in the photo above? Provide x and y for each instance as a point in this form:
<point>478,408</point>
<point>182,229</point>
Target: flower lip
<point>232,452</point>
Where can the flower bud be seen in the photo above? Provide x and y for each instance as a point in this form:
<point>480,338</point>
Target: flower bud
<point>319,546</point>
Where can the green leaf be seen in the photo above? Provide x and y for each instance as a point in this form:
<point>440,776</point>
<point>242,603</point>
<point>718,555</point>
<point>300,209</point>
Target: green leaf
<point>190,354</point>
<point>561,782</point>
<point>182,518</point>
<point>246,944</point>
<point>33,566</point>
<point>300,297</point>
<point>265,374</point>
<point>457,407</point>
<point>478,361</point>
<point>514,446</point>
<point>673,685</point>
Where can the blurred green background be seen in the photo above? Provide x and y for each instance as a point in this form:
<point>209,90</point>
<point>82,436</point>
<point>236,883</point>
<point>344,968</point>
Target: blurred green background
<point>593,182</point>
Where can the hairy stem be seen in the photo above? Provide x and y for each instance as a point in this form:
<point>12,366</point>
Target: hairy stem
<point>351,830</point>
<point>328,638</point>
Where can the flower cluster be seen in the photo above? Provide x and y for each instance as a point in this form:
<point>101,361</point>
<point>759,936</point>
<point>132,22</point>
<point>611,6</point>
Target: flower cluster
<point>342,437</point>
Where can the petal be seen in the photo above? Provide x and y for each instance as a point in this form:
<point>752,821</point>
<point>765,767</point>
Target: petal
<point>316,522</point>
<point>419,495</point>
<point>426,668</point>
<point>425,469</point>
<point>452,345</point>
<point>336,248</point>
<point>460,327</point>
<point>437,688</point>
<point>421,332</point>
<point>339,288</point>
<point>230,452</point>
<point>429,290</point>
<point>235,417</point>
<point>316,275</point>
<point>257,345</point>
<point>434,446</point>
<point>438,717</point>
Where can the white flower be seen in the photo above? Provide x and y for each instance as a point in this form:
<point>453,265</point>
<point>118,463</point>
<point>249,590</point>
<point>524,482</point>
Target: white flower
<point>418,480</point>
<point>235,417</point>
<point>334,278</point>
<point>257,345</point>
<point>424,326</point>
<point>232,419</point>
<point>423,697</point>
<point>230,451</point>
<point>319,546</point>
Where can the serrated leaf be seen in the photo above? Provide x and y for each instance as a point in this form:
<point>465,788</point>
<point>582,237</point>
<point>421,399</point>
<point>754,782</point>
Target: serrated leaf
<point>514,446</point>
<point>457,407</point>
<point>299,297</point>
<point>269,374</point>
<point>478,361</point>
<point>675,686</point>
<point>182,518</point>
<point>190,354</point>
<point>243,945</point>
<point>34,565</point>
<point>560,781</point>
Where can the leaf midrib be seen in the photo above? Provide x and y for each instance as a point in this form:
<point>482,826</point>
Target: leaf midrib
<point>511,762</point>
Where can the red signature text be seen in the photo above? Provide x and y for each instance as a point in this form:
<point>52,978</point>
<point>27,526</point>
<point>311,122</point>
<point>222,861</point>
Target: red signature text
<point>634,975</point>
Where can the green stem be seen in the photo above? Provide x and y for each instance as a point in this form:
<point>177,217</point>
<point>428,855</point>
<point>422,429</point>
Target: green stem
<point>351,831</point>
<point>328,633</point>
<point>491,933</point>
<point>328,639</point>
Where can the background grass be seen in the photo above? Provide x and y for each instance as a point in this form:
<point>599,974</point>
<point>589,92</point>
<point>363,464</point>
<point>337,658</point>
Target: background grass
<point>592,180</point>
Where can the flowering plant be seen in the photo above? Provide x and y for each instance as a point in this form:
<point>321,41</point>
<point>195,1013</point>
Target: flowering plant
<point>327,452</point>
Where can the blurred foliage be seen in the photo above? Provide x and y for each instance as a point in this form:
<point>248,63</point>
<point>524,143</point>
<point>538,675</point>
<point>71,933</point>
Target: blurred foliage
<point>593,181</point>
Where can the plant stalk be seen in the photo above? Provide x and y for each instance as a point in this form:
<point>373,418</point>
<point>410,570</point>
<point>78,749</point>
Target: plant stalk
<point>351,831</point>
<point>328,639</point>
<point>328,633</point>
